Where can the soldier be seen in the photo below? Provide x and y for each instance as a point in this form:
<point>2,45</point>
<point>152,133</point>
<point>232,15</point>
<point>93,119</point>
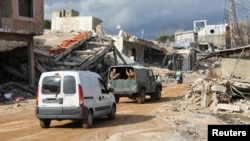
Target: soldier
<point>130,73</point>
<point>113,74</point>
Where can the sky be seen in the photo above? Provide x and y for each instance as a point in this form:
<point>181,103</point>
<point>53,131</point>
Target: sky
<point>148,19</point>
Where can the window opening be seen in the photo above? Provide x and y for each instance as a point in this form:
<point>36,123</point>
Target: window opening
<point>25,8</point>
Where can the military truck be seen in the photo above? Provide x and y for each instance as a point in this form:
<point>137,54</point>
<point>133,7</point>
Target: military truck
<point>144,83</point>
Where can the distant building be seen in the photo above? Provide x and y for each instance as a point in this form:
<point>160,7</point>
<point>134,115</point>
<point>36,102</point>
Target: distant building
<point>214,34</point>
<point>202,34</point>
<point>193,44</point>
<point>69,20</point>
<point>139,50</point>
<point>65,13</point>
<point>183,39</point>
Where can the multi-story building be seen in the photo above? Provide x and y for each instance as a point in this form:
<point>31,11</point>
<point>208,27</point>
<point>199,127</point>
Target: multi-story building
<point>20,20</point>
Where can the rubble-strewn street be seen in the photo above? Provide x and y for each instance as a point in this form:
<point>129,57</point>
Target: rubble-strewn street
<point>203,71</point>
<point>177,116</point>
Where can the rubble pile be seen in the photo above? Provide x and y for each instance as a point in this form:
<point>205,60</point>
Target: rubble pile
<point>83,52</point>
<point>13,91</point>
<point>220,93</point>
<point>75,51</point>
<point>165,75</point>
<point>168,76</point>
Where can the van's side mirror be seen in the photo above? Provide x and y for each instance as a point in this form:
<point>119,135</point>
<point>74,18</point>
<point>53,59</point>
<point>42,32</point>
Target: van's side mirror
<point>111,89</point>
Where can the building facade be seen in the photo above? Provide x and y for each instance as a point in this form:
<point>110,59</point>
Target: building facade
<point>214,34</point>
<point>69,20</point>
<point>21,20</point>
<point>22,16</point>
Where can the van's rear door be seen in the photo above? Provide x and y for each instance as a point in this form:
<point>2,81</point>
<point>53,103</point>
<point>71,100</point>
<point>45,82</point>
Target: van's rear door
<point>50,98</point>
<point>70,93</point>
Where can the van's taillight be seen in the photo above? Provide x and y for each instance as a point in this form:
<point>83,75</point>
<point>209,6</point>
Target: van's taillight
<point>80,92</point>
<point>37,89</point>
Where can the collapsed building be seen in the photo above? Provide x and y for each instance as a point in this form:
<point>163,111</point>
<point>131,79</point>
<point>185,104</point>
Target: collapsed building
<point>205,49</point>
<point>229,90</point>
<point>79,47</point>
<point>192,45</point>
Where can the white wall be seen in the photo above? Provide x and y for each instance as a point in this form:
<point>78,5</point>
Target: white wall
<point>118,42</point>
<point>67,24</point>
<point>184,37</point>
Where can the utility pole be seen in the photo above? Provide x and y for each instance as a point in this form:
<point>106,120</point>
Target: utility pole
<point>232,23</point>
<point>246,38</point>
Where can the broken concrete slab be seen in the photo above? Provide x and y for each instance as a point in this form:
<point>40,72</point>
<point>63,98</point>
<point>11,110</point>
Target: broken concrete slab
<point>207,99</point>
<point>219,88</point>
<point>228,107</point>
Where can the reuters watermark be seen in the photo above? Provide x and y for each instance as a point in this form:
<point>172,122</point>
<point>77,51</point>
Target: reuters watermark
<point>229,131</point>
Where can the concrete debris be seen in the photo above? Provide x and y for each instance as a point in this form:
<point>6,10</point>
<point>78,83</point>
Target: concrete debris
<point>220,93</point>
<point>59,51</point>
<point>229,107</point>
<point>218,88</point>
<point>13,91</point>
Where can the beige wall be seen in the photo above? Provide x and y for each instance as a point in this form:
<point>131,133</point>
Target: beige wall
<point>118,42</point>
<point>24,25</point>
<point>184,37</point>
<point>67,24</point>
<point>241,70</point>
<point>218,40</point>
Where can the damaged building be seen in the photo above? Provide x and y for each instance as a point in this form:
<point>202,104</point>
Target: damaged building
<point>229,90</point>
<point>190,46</point>
<point>84,46</point>
<point>20,21</point>
<point>69,20</point>
<point>139,50</point>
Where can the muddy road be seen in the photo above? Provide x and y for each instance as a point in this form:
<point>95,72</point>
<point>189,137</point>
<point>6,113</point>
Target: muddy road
<point>165,119</point>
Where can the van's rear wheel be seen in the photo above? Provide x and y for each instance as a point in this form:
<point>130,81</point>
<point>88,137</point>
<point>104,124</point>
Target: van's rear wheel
<point>142,97</point>
<point>111,115</point>
<point>88,122</point>
<point>117,99</point>
<point>45,123</point>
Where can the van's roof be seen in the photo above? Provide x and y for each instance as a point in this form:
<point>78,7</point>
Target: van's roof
<point>83,73</point>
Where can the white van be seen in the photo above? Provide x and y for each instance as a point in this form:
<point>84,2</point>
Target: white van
<point>73,95</point>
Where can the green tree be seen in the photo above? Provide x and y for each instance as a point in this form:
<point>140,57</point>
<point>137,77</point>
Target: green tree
<point>165,38</point>
<point>47,24</point>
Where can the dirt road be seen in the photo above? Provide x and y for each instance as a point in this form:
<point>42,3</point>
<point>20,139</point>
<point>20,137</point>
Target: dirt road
<point>166,119</point>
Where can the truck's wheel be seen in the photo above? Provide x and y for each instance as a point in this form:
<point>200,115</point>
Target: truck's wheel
<point>142,97</point>
<point>153,96</point>
<point>88,123</point>
<point>158,93</point>
<point>45,123</point>
<point>117,99</point>
<point>111,115</point>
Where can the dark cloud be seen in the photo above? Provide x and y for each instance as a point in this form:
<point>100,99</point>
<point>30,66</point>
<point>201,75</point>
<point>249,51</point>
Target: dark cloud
<point>155,17</point>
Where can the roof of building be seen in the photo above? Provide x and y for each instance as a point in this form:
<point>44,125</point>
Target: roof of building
<point>227,52</point>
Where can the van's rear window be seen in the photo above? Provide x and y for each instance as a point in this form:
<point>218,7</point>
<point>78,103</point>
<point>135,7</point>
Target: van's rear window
<point>69,84</point>
<point>51,85</point>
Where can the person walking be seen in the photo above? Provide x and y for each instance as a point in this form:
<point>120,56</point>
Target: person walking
<point>179,76</point>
